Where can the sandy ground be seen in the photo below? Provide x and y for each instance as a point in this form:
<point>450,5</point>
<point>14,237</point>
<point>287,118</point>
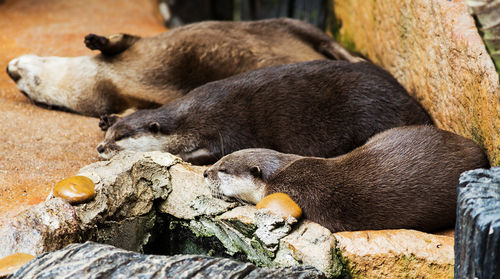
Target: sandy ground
<point>38,147</point>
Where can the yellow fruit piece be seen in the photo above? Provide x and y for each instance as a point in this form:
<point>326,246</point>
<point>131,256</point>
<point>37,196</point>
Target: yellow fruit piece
<point>11,263</point>
<point>280,204</point>
<point>75,189</point>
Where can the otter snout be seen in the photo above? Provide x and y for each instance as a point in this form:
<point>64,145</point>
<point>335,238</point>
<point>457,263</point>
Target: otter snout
<point>26,71</point>
<point>25,66</point>
<point>212,180</point>
<point>107,150</point>
<point>100,148</point>
<point>13,70</point>
<point>227,182</point>
<point>54,81</point>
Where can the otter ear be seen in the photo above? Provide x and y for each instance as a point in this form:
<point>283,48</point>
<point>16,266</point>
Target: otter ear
<point>256,172</point>
<point>154,127</point>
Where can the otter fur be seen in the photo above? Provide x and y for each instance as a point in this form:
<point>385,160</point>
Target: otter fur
<point>403,178</point>
<point>319,108</point>
<point>134,72</point>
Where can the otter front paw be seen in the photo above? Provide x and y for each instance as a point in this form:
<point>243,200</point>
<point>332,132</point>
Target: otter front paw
<point>93,41</point>
<point>107,121</point>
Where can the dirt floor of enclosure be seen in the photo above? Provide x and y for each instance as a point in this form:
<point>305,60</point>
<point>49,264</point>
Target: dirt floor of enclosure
<point>38,147</point>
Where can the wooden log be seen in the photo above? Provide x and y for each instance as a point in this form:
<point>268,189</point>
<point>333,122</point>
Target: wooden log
<point>92,260</point>
<point>477,230</point>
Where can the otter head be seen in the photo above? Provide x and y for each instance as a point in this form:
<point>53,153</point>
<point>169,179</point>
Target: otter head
<point>54,81</point>
<point>92,85</point>
<point>245,174</point>
<point>139,131</point>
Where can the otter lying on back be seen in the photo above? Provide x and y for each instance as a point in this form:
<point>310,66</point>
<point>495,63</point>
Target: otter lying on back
<point>320,108</point>
<point>135,72</point>
<point>403,178</point>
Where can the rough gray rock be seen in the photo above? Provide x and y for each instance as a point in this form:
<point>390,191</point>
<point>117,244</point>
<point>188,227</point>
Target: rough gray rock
<point>202,224</point>
<point>92,260</point>
<point>477,231</point>
<point>190,197</point>
<point>487,13</point>
<point>311,244</point>
<point>45,227</point>
<point>127,187</point>
<point>155,203</point>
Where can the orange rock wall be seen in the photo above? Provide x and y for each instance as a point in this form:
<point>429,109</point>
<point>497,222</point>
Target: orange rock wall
<point>396,254</point>
<point>433,48</point>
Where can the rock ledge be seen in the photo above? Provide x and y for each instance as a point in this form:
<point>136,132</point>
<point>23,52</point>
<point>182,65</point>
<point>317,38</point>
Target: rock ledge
<point>155,203</point>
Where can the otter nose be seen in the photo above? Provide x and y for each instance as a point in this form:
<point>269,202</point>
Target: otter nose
<point>13,72</point>
<point>205,174</point>
<point>100,148</point>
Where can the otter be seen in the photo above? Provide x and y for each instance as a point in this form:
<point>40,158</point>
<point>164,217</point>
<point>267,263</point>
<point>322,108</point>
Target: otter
<point>134,73</point>
<point>402,178</point>
<point>319,108</point>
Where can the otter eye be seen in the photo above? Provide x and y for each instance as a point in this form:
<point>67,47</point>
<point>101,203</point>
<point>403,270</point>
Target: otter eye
<point>120,137</point>
<point>223,170</point>
<point>255,171</point>
<point>154,127</point>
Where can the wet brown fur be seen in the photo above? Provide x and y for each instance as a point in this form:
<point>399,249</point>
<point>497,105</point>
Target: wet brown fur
<point>149,72</point>
<point>319,108</point>
<point>402,178</point>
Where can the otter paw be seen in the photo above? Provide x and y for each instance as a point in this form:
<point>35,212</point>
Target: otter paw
<point>93,41</point>
<point>106,121</point>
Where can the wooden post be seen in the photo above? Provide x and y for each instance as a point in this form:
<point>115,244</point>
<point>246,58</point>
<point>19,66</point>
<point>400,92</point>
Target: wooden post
<point>477,230</point>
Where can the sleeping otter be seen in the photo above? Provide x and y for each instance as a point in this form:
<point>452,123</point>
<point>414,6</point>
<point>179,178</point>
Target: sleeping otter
<point>134,72</point>
<point>403,178</point>
<point>319,108</point>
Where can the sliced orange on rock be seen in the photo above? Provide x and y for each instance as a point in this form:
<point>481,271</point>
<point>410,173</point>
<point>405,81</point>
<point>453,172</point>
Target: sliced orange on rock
<point>280,204</point>
<point>75,189</point>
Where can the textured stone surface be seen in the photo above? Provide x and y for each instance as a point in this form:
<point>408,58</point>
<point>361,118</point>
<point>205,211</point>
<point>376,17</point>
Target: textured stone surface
<point>433,48</point>
<point>122,211</point>
<point>477,229</point>
<point>396,254</point>
<point>309,244</point>
<point>487,13</point>
<point>44,227</point>
<point>92,260</point>
<point>154,202</point>
<point>190,197</point>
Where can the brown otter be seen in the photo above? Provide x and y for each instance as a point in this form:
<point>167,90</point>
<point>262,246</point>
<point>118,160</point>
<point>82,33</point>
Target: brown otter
<point>319,108</point>
<point>133,72</point>
<point>403,178</point>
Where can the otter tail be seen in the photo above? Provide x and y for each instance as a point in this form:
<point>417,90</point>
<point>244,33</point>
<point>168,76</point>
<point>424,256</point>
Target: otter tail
<point>323,43</point>
<point>334,50</point>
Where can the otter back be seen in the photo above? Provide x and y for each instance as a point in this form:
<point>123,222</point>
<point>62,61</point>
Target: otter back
<point>319,108</point>
<point>403,178</point>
